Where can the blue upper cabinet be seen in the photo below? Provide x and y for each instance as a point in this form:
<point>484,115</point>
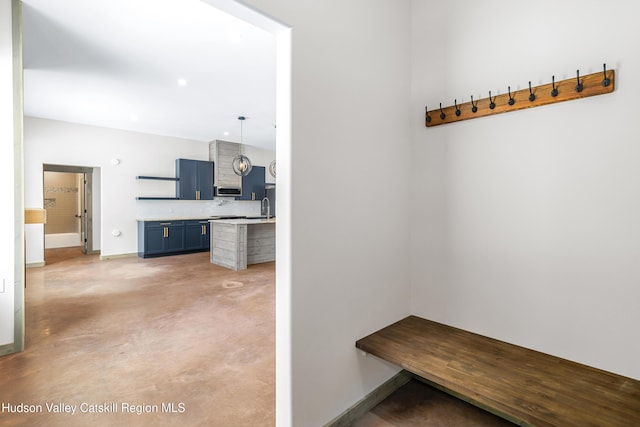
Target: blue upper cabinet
<point>253,184</point>
<point>186,174</point>
<point>195,179</point>
<point>204,179</point>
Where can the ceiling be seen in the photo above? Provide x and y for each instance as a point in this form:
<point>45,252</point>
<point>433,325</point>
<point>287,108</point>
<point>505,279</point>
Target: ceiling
<point>168,67</point>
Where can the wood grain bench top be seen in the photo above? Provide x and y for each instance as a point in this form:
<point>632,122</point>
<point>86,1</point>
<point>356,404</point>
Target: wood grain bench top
<point>521,385</point>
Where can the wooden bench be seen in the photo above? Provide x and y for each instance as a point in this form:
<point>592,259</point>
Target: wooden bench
<point>524,386</point>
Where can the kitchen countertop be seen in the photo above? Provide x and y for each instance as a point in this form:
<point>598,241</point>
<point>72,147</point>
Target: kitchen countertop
<point>216,218</point>
<point>239,221</point>
<point>190,218</point>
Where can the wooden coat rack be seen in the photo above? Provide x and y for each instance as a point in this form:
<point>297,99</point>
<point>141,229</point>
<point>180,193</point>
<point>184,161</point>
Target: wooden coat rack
<point>565,90</point>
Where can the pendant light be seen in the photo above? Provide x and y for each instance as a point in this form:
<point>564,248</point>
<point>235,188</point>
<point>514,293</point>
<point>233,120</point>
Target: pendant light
<point>241,163</point>
<point>272,168</point>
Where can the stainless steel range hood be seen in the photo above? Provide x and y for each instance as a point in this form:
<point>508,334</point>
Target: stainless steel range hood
<point>228,191</point>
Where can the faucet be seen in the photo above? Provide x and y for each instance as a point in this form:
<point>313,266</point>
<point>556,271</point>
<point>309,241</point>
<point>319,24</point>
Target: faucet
<point>266,199</point>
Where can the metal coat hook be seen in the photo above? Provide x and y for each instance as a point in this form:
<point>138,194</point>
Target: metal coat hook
<point>602,81</point>
<point>532,96</point>
<point>579,86</point>
<point>606,81</point>
<point>554,91</point>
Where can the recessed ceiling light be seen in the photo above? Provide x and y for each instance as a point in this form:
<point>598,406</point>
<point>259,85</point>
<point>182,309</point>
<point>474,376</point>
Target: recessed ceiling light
<point>133,117</point>
<point>226,133</point>
<point>182,82</point>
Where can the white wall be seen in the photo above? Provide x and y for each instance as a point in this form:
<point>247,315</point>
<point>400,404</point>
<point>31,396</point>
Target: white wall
<point>523,226</point>
<point>350,67</point>
<point>526,225</point>
<point>115,186</point>
<point>7,179</point>
<point>54,142</point>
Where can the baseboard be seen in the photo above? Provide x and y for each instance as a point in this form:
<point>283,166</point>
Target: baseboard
<point>35,264</point>
<point>7,349</point>
<point>116,256</point>
<point>364,405</point>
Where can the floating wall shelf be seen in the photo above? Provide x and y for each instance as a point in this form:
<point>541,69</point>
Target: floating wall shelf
<point>157,178</point>
<point>565,90</point>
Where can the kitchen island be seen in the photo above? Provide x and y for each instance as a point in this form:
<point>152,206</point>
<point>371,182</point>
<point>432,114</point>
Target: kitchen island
<point>237,242</point>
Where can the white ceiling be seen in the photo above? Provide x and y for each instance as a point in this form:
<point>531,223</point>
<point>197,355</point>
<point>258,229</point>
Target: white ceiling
<point>117,64</point>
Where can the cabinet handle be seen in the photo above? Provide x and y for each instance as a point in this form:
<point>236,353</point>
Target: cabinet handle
<point>197,194</point>
<point>166,232</point>
<point>165,223</point>
<point>204,229</point>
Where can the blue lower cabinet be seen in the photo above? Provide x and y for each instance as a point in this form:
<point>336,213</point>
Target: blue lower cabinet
<point>153,241</point>
<point>174,238</point>
<point>161,238</point>
<point>196,235</point>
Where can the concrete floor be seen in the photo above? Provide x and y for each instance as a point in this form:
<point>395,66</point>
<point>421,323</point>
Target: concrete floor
<point>133,334</point>
<point>417,404</point>
<point>129,332</point>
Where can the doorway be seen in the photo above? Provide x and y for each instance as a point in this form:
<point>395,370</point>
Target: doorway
<point>283,233</point>
<point>68,199</point>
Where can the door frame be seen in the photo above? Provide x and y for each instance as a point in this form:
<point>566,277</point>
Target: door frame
<point>16,228</point>
<point>87,244</point>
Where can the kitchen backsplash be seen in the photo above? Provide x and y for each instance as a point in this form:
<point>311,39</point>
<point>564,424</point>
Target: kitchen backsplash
<point>175,209</point>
